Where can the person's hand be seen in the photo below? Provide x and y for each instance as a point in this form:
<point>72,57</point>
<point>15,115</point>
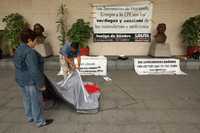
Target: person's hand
<point>73,66</point>
<point>78,67</point>
<point>43,88</point>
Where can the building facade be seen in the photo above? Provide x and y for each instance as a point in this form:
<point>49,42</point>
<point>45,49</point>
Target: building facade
<point>171,12</point>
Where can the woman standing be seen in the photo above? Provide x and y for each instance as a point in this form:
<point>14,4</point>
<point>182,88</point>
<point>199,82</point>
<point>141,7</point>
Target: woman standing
<point>30,78</point>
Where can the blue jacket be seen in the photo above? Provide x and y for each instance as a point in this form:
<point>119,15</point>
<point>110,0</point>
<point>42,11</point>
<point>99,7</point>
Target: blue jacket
<point>66,51</point>
<point>29,67</point>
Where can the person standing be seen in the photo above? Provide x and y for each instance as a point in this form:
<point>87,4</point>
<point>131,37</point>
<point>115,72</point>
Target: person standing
<point>30,77</point>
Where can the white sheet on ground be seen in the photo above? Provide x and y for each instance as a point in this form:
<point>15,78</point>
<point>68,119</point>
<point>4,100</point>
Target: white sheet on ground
<point>73,91</point>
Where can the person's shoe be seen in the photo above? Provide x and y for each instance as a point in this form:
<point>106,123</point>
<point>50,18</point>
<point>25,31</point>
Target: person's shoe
<point>30,120</point>
<point>47,122</point>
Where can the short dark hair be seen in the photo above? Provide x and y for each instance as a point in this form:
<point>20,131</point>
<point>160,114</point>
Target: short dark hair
<point>75,45</point>
<point>38,29</point>
<point>27,34</point>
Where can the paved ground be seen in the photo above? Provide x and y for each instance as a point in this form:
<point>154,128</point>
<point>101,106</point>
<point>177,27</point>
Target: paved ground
<point>130,104</point>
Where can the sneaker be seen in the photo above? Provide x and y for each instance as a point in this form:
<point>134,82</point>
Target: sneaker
<point>47,122</point>
<point>30,120</point>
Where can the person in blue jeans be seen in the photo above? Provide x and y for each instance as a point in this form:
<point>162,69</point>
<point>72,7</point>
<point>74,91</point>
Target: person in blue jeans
<point>30,77</point>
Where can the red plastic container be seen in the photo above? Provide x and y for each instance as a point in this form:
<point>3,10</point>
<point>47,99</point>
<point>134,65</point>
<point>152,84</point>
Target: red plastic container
<point>192,49</point>
<point>92,88</point>
<point>84,51</point>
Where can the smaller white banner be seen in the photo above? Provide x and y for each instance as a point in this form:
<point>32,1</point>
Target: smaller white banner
<point>157,66</point>
<point>93,65</point>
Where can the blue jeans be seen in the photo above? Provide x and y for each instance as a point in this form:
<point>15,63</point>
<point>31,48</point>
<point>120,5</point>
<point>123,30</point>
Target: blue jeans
<point>32,99</point>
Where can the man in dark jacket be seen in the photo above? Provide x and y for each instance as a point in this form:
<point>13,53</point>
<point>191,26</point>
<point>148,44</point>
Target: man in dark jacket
<point>30,78</point>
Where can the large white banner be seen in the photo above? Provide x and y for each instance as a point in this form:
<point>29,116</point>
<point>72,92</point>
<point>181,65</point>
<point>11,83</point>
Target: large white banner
<point>157,66</point>
<point>123,23</point>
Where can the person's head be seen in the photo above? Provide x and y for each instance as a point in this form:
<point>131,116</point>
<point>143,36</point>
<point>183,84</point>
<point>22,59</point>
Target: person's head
<point>28,37</point>
<point>161,28</point>
<point>38,29</point>
<point>74,46</point>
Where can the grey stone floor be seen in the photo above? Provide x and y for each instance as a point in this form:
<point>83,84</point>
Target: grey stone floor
<point>129,104</point>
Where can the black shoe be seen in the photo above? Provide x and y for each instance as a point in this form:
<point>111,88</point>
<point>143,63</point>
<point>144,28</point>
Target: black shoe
<point>47,122</point>
<point>30,120</point>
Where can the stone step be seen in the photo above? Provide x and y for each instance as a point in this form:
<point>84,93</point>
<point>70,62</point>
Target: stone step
<point>52,63</point>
